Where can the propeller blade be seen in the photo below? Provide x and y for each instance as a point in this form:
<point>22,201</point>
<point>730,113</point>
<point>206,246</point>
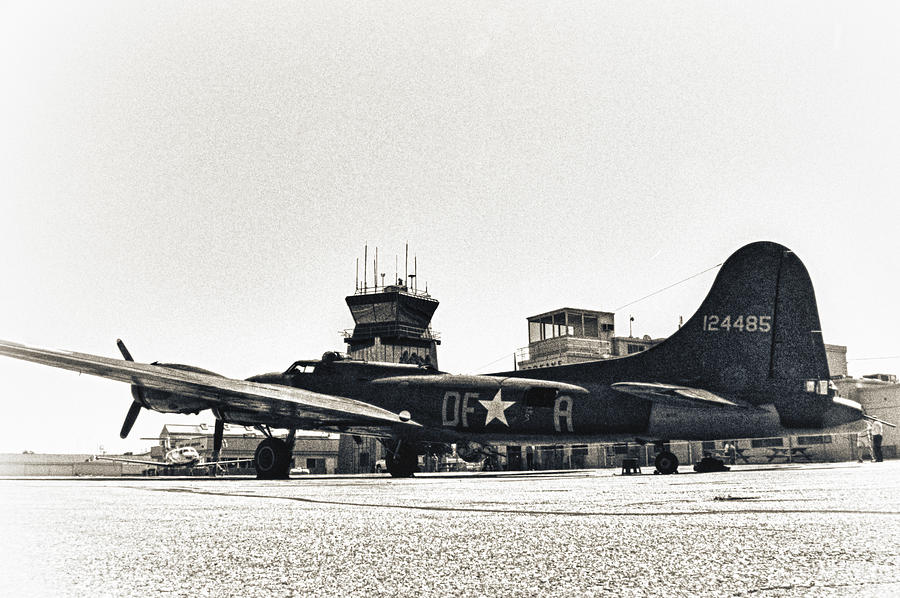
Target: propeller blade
<point>124,350</point>
<point>136,392</point>
<point>129,419</point>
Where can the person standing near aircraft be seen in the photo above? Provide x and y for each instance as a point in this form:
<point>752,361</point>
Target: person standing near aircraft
<point>731,452</point>
<point>863,443</point>
<point>877,431</point>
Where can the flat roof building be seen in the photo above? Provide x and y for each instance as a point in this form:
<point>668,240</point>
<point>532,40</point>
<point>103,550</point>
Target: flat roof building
<point>571,335</point>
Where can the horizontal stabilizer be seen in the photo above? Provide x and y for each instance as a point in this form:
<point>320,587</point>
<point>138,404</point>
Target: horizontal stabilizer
<point>670,394</point>
<point>875,419</point>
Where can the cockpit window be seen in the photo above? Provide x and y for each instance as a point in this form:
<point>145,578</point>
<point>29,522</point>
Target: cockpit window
<point>540,397</point>
<point>301,367</point>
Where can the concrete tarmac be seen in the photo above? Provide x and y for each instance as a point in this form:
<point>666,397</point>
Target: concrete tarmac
<point>789,530</point>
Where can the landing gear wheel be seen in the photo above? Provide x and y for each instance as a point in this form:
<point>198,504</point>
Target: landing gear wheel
<point>666,463</point>
<point>402,464</point>
<point>272,460</point>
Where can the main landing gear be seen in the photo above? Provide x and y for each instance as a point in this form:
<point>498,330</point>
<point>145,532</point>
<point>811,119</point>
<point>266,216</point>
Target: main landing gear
<point>666,462</point>
<point>273,457</point>
<point>403,461</point>
<point>218,435</point>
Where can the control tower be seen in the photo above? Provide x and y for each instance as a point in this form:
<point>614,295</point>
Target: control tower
<point>393,324</point>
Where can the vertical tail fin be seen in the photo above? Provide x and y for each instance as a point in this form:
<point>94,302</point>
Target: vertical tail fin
<point>756,336</point>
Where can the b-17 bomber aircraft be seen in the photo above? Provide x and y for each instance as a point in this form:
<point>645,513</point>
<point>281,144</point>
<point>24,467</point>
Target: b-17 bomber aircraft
<point>183,456</point>
<point>749,363</point>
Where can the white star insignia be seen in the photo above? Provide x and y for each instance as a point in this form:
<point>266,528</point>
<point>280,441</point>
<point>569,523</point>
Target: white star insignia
<point>496,409</point>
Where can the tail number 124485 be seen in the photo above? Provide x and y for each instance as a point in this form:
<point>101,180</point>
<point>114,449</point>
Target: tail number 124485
<point>715,323</point>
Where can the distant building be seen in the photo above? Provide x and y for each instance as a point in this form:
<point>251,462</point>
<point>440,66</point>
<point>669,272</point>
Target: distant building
<point>570,335</point>
<point>892,378</point>
<point>837,360</point>
<point>315,451</point>
<point>30,464</point>
<point>626,345</point>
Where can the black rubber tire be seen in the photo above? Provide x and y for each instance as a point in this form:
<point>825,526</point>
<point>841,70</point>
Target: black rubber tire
<point>402,465</point>
<point>666,463</point>
<point>272,460</point>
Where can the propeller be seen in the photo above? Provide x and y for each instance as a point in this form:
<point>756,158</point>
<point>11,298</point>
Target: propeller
<point>136,392</point>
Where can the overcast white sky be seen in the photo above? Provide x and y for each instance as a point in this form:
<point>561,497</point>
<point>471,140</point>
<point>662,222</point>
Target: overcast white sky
<point>200,178</point>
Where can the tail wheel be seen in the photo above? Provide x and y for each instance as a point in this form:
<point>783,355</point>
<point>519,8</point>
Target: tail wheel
<point>402,464</point>
<point>666,462</point>
<point>272,460</point>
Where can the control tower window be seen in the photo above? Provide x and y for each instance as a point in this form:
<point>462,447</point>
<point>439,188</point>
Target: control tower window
<point>548,327</point>
<point>576,326</point>
<point>559,325</point>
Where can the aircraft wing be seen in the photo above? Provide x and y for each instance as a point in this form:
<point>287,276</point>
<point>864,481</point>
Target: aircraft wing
<point>138,461</point>
<point>265,403</point>
<point>163,464</point>
<point>672,394</point>
<point>223,462</point>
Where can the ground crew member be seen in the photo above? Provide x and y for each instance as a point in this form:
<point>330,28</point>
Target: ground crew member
<point>862,443</point>
<point>877,431</point>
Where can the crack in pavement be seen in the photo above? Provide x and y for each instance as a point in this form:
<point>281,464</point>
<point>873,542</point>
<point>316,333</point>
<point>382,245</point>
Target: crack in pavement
<point>512,511</point>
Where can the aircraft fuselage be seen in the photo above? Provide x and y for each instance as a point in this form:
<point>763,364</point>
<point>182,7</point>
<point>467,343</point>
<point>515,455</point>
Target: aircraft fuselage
<point>497,407</point>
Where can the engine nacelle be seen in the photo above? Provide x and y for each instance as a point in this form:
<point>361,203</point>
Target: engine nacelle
<point>251,418</point>
<point>171,402</point>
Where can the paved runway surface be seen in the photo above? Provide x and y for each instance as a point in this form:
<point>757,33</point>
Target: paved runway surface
<point>800,530</point>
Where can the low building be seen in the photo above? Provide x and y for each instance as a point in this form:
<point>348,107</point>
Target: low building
<point>30,464</point>
<point>626,345</point>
